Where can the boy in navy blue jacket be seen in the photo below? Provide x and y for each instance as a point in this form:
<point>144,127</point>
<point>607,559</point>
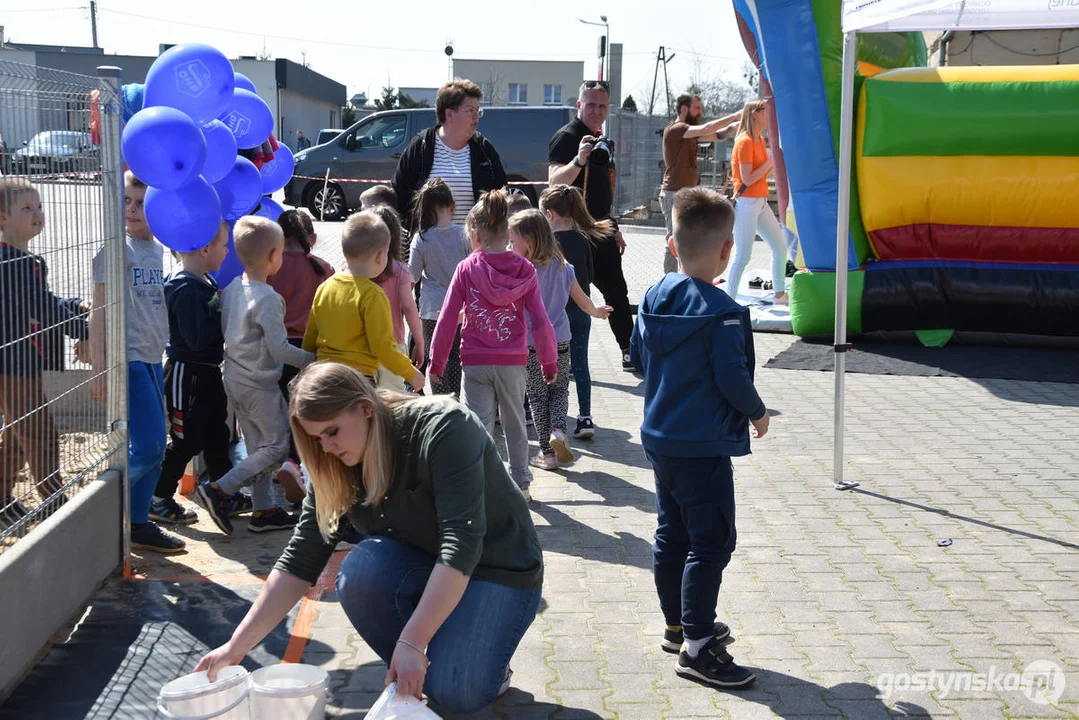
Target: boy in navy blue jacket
<point>195,397</point>
<point>694,345</point>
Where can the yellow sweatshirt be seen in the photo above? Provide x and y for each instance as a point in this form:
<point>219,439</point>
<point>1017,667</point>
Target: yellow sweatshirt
<point>350,323</point>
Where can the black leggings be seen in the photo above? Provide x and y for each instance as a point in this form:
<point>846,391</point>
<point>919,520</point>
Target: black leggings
<point>288,372</point>
<point>608,277</point>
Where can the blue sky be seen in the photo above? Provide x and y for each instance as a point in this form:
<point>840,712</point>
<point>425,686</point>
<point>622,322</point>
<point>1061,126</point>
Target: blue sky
<point>362,44</point>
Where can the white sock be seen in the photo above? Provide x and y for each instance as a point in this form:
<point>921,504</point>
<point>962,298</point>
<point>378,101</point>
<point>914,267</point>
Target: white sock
<point>693,647</point>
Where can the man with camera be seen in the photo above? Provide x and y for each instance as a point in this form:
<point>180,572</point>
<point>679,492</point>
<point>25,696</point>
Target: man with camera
<point>680,140</point>
<point>579,155</point>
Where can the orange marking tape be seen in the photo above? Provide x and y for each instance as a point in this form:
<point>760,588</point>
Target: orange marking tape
<point>305,618</point>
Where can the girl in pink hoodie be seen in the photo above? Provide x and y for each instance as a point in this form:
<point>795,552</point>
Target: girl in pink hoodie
<point>495,288</point>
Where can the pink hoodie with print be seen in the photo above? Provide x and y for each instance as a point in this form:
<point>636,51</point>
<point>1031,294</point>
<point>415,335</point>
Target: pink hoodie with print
<point>495,290</point>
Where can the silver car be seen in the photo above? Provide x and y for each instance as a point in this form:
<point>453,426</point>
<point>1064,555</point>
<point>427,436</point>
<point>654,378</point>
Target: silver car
<point>57,151</point>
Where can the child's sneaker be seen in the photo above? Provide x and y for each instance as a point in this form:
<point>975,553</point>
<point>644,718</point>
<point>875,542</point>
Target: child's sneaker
<point>545,461</point>
<point>291,480</point>
<point>240,504</point>
<point>713,666</point>
<point>171,512</point>
<point>560,444</point>
<point>217,504</point>
<point>627,364</point>
<point>672,636</point>
<point>268,520</point>
<point>585,430</point>
<point>150,536</point>
<point>524,491</point>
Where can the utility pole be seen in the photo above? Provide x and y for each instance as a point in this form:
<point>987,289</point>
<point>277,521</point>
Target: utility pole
<point>93,20</point>
<point>661,57</point>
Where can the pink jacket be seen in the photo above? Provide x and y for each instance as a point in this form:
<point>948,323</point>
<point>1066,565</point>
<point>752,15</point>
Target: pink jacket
<point>495,290</point>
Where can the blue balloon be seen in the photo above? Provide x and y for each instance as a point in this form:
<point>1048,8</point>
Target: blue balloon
<point>269,209</point>
<point>220,151</point>
<point>277,172</point>
<point>195,78</point>
<point>249,118</point>
<point>244,83</point>
<point>185,219</point>
<point>163,147</point>
<point>240,190</point>
<point>231,268</point>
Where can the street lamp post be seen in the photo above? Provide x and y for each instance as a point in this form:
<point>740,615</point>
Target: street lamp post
<point>606,43</point>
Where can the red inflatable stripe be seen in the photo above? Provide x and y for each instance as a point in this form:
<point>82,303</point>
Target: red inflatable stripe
<point>977,243</point>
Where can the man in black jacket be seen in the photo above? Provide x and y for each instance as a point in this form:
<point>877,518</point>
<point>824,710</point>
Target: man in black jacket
<point>570,163</point>
<point>451,150</point>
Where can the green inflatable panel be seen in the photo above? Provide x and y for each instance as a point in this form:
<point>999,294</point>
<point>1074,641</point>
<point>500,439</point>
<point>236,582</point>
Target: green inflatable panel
<point>813,303</point>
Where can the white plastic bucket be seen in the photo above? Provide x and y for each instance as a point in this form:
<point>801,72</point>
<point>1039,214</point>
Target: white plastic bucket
<point>391,706</point>
<point>194,697</point>
<point>289,692</point>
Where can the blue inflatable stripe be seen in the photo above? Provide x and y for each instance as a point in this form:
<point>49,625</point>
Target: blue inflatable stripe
<point>788,33</point>
<point>742,8</point>
<point>885,265</point>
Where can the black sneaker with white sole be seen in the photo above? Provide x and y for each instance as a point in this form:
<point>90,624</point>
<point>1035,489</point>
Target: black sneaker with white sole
<point>171,512</point>
<point>627,363</point>
<point>585,430</point>
<point>149,536</point>
<point>270,520</point>
<point>713,666</point>
<point>217,504</point>
<point>673,639</point>
<point>240,504</point>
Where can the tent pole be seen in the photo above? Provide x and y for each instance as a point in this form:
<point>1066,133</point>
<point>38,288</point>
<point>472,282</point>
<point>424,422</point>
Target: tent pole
<point>846,137</point>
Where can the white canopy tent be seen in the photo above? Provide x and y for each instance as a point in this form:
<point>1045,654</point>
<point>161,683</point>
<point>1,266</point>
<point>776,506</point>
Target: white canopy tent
<point>863,16</point>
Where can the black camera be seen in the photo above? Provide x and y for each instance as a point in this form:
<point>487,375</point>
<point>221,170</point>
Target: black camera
<point>601,151</point>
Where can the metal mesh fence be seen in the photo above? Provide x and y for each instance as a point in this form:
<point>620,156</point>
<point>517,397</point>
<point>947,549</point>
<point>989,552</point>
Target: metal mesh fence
<point>54,217</point>
<point>639,146</point>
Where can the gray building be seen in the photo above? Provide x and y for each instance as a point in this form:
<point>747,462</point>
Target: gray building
<point>299,98</point>
<point>523,82</point>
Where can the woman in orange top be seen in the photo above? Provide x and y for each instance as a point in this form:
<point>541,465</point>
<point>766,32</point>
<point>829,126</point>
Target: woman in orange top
<point>751,164</point>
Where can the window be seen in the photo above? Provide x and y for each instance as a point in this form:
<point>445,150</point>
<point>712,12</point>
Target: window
<point>552,94</point>
<point>385,132</point>
<point>488,93</point>
<point>518,94</point>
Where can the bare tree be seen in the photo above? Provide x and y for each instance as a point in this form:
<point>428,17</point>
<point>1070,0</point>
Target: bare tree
<point>720,95</point>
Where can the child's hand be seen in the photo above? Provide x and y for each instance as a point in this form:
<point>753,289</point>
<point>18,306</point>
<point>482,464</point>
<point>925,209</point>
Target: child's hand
<point>418,381</point>
<point>760,427</point>
<point>603,312</point>
<point>418,355</point>
<point>82,351</point>
<point>549,379</point>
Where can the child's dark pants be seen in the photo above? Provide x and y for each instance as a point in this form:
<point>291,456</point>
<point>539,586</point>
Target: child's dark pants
<point>695,538</point>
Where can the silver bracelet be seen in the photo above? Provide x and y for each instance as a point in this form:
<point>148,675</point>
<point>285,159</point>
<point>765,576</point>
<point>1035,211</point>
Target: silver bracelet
<point>415,647</point>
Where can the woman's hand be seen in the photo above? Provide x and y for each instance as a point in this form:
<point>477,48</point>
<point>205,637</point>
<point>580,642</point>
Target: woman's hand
<point>408,668</point>
<point>215,660</point>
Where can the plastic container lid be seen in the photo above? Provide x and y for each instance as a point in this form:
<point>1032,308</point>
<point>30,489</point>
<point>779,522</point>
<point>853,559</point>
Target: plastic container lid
<point>198,684</point>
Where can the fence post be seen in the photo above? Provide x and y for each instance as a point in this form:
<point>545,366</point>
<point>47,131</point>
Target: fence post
<point>112,217</point>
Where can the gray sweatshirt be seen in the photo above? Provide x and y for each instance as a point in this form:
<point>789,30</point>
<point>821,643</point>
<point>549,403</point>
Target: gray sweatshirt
<point>435,255</point>
<point>256,342</point>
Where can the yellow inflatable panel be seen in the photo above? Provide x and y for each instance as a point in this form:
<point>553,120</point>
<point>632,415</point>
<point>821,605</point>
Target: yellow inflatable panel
<point>1021,73</point>
<point>1035,192</point>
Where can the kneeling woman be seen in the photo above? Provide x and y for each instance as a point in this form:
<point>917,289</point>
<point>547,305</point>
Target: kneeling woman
<point>451,567</point>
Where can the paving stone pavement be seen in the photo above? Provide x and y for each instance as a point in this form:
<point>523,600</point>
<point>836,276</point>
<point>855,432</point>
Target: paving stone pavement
<point>834,597</point>
<point>843,602</point>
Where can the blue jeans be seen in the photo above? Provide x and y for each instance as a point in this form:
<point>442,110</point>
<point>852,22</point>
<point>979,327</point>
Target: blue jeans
<point>695,538</point>
<point>146,434</point>
<point>380,585</point>
<point>580,327</point>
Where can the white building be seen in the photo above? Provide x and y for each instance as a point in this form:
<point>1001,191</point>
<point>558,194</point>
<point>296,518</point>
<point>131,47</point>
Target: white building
<point>523,82</point>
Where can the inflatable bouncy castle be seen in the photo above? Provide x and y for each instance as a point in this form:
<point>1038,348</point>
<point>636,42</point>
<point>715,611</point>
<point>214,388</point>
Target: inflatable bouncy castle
<point>961,211</point>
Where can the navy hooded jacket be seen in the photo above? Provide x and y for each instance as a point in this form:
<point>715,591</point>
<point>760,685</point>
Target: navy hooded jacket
<point>694,345</point>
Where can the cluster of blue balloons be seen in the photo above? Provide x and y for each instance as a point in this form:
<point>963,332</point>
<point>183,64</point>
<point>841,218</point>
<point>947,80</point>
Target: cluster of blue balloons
<point>197,113</point>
